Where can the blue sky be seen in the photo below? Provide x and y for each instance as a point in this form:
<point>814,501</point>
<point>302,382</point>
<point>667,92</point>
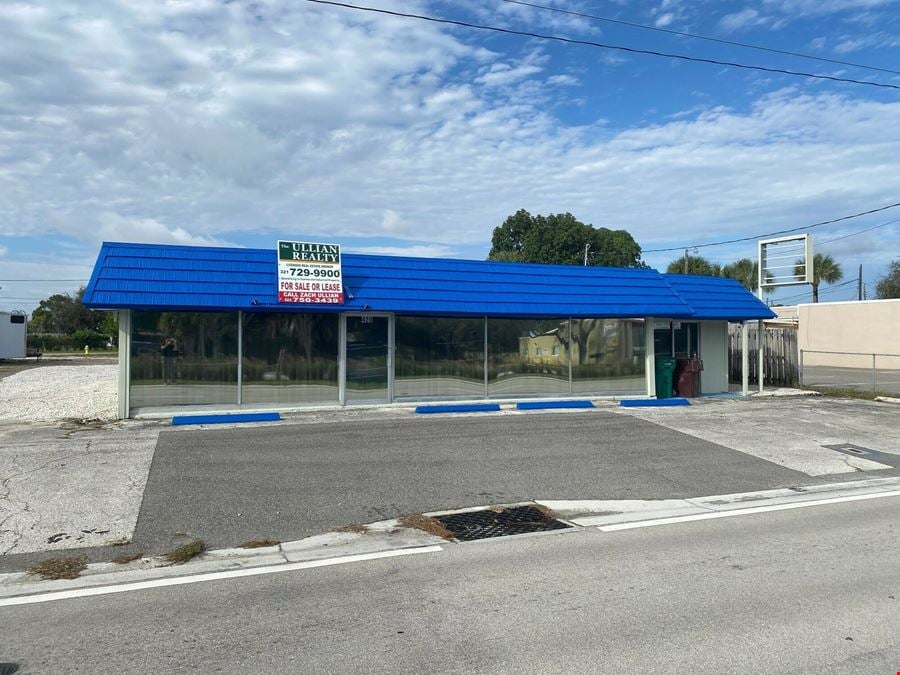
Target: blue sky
<point>209,122</point>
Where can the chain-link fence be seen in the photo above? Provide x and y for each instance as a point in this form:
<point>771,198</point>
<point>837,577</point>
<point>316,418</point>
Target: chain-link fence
<point>863,371</point>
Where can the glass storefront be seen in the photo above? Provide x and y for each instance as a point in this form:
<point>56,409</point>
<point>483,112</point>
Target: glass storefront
<point>608,356</point>
<point>368,344</point>
<point>439,358</point>
<point>290,358</point>
<point>183,358</point>
<point>527,357</point>
<point>193,358</point>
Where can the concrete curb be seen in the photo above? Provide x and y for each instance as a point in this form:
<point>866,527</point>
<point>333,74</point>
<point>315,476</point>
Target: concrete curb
<point>388,535</point>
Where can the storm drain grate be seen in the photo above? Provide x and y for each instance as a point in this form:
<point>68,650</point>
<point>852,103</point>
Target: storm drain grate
<point>499,523</point>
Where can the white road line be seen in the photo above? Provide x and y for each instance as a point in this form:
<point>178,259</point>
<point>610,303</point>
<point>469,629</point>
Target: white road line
<point>212,576</point>
<point>743,512</point>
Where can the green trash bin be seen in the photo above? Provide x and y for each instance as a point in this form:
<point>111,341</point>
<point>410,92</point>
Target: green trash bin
<point>665,375</point>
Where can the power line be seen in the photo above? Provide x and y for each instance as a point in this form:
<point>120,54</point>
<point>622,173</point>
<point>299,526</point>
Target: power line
<point>600,45</point>
<point>771,234</point>
<point>11,280</point>
<point>853,234</point>
<point>733,43</point>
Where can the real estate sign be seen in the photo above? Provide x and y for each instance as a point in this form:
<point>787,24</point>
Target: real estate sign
<point>309,273</point>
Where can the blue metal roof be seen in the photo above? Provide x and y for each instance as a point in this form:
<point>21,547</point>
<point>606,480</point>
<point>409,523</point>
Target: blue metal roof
<point>718,298</point>
<point>194,278</point>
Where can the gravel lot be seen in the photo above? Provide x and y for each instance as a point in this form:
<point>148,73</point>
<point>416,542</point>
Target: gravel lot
<point>52,393</point>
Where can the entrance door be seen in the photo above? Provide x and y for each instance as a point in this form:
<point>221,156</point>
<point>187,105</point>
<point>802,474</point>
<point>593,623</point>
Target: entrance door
<point>368,362</point>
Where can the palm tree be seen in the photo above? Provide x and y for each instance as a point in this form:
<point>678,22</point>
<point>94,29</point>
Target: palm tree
<point>824,269</point>
<point>744,270</point>
<point>696,265</point>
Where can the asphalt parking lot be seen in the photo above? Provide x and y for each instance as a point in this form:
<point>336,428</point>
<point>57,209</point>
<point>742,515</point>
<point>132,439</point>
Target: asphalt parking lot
<point>295,480</point>
<point>314,472</point>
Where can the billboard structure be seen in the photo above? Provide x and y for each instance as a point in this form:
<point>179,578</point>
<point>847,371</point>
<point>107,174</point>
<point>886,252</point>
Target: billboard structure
<point>785,261</point>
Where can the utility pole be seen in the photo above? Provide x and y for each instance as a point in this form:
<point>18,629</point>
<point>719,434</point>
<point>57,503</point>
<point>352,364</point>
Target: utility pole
<point>685,261</point>
<point>859,285</point>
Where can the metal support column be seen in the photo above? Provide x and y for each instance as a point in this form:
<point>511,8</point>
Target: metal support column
<point>342,359</point>
<point>124,377</point>
<point>485,357</point>
<point>745,359</point>
<point>650,357</point>
<point>761,352</point>
<point>569,350</point>
<point>240,363</point>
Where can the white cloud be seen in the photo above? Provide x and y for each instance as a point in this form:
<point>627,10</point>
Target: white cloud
<point>193,123</point>
<point>563,81</point>
<point>109,226</point>
<point>879,40</point>
<point>742,20</point>
<point>3,250</point>
<point>664,20</point>
<point>824,7</point>
<point>420,251</point>
<point>501,74</point>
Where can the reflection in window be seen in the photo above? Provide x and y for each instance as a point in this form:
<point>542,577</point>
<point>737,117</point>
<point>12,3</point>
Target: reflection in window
<point>608,356</point>
<point>439,358</point>
<point>527,357</point>
<point>183,358</point>
<point>290,358</point>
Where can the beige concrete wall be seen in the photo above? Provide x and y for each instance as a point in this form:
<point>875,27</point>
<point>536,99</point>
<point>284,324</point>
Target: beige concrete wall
<point>868,326</point>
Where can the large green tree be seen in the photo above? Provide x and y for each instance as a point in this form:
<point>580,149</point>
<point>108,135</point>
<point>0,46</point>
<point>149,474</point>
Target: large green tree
<point>824,269</point>
<point>560,238</point>
<point>889,285</point>
<point>64,313</point>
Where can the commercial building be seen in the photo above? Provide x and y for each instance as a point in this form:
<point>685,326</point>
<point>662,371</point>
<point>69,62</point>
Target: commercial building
<point>203,327</point>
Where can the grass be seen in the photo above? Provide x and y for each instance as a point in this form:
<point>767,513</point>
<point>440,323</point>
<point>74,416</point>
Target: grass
<point>186,552</point>
<point>352,528</point>
<point>849,392</point>
<point>260,543</point>
<point>426,524</point>
<point>126,558</point>
<point>59,568</point>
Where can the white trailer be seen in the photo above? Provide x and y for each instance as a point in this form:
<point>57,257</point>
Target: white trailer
<point>13,326</point>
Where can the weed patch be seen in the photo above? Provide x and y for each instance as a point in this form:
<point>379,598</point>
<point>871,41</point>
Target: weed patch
<point>426,524</point>
<point>186,552</point>
<point>848,392</point>
<point>352,528</point>
<point>549,513</point>
<point>260,543</point>
<point>59,568</point>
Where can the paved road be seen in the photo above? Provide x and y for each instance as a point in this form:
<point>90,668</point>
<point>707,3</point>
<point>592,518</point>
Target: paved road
<point>293,480</point>
<point>813,590</point>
